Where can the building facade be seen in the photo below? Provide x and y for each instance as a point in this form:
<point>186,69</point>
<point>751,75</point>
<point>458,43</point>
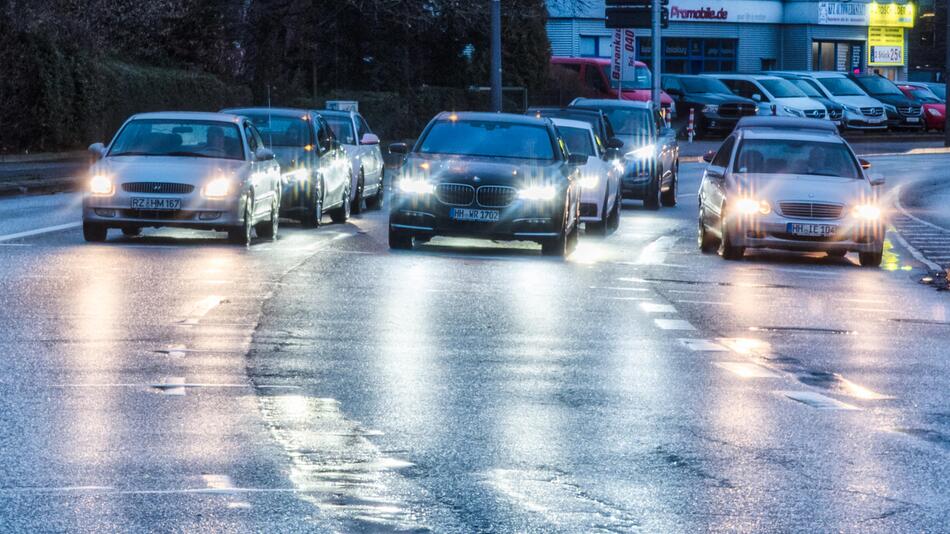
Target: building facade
<point>751,35</point>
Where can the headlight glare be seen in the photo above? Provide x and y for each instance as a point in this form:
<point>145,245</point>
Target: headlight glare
<point>751,206</point>
<point>641,153</point>
<point>217,188</point>
<point>101,185</point>
<point>416,186</point>
<point>538,192</point>
<point>935,112</point>
<point>590,181</point>
<point>867,212</point>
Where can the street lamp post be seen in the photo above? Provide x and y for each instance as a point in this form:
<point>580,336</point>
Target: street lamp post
<point>496,55</point>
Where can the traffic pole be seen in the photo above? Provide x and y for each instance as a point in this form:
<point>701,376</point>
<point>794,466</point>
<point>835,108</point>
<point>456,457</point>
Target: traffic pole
<point>496,103</point>
<point>657,43</point>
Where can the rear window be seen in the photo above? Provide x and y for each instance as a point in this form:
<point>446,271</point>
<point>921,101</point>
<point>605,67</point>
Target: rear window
<point>280,130</point>
<point>488,138</point>
<point>578,140</point>
<point>783,156</point>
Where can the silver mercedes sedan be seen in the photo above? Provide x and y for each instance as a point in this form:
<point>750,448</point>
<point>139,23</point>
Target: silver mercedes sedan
<point>790,184</point>
<point>189,170</point>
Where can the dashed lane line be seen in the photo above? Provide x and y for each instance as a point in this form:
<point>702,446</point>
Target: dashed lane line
<point>673,324</point>
<point>818,401</point>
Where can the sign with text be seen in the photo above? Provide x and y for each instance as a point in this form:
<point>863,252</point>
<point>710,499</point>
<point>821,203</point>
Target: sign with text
<point>885,47</point>
<point>748,11</point>
<point>891,15</point>
<point>624,65</point>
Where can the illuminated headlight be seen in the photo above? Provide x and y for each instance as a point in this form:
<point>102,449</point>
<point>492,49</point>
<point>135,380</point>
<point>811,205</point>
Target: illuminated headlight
<point>751,206</point>
<point>934,112</point>
<point>793,111</point>
<point>867,212</point>
<point>217,188</point>
<point>101,185</point>
<point>710,108</point>
<point>416,186</point>
<point>590,181</point>
<point>641,153</point>
<point>538,192</point>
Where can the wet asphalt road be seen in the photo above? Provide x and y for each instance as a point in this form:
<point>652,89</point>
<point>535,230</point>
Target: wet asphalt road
<point>323,383</point>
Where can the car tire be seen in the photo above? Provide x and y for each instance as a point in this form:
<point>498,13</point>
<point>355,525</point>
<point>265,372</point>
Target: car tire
<point>375,202</point>
<point>668,197</point>
<point>94,233</point>
<point>314,216</point>
<point>613,222</point>
<point>341,214</point>
<point>707,244</point>
<point>399,240</point>
<point>357,206</point>
<point>652,199</point>
<point>726,249</point>
<point>241,235</point>
<point>132,231</point>
<point>269,229</point>
<point>870,259</point>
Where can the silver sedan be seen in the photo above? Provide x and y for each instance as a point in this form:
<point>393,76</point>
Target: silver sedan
<point>189,170</point>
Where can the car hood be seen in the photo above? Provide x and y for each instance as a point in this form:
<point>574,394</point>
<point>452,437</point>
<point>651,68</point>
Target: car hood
<point>180,170</point>
<point>478,171</point>
<point>804,188</point>
<point>642,95</point>
<point>894,100</point>
<point>859,101</point>
<point>800,102</point>
<point>717,98</point>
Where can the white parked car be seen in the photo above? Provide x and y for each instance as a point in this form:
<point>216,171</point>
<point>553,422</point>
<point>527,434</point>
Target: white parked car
<point>789,101</point>
<point>362,147</point>
<point>191,170</point>
<point>861,112</point>
<point>600,177</point>
<point>789,184</point>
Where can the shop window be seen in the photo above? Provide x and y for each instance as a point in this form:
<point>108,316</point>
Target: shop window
<point>769,64</point>
<point>683,55</point>
<point>595,46</point>
<point>836,55</point>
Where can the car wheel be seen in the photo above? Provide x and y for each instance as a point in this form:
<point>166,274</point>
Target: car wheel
<point>870,259</point>
<point>314,216</point>
<point>94,233</point>
<point>341,214</point>
<point>399,240</point>
<point>269,229</point>
<point>131,231</point>
<point>707,245</point>
<point>613,222</point>
<point>375,202</point>
<point>357,206</point>
<point>652,199</point>
<point>668,197</point>
<point>726,249</point>
<point>242,234</point>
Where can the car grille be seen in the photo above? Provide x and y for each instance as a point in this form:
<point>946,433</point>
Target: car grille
<point>835,114</point>
<point>909,111</point>
<point>496,196</point>
<point>455,194</point>
<point>736,110</point>
<point>814,113</point>
<point>161,188</point>
<point>872,112</point>
<point>811,210</point>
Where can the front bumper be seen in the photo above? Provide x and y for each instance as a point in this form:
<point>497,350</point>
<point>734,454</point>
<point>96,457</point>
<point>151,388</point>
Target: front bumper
<point>196,211</point>
<point>637,177</point>
<point>592,204</point>
<point>424,215</point>
<point>772,232</point>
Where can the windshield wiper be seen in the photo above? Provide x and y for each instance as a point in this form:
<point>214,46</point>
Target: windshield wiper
<point>133,153</point>
<point>188,154</point>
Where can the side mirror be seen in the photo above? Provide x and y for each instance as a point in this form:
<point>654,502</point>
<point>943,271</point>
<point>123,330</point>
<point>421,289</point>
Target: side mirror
<point>757,97</point>
<point>399,148</point>
<point>264,154</point>
<point>709,155</point>
<point>369,139</point>
<point>876,181</point>
<point>577,159</point>
<point>865,164</point>
<point>614,144</point>
<point>98,150</point>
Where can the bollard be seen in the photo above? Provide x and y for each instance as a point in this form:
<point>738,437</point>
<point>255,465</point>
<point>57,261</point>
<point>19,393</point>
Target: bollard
<point>690,131</point>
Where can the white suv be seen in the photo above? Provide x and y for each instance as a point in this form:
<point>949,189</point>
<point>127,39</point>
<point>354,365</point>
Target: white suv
<point>776,96</point>
<point>861,112</point>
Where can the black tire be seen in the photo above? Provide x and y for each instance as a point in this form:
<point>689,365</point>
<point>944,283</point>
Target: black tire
<point>375,202</point>
<point>668,197</point>
<point>726,249</point>
<point>652,199</point>
<point>357,206</point>
<point>241,235</point>
<point>399,240</point>
<point>131,231</point>
<point>269,229</point>
<point>94,233</point>
<point>341,214</point>
<point>556,246</point>
<point>870,259</point>
<point>836,253</point>
<point>314,216</point>
<point>707,245</point>
<point>598,228</point>
<point>613,222</point>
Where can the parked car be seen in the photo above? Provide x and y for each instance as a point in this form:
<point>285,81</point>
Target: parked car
<point>715,108</point>
<point>935,110</point>
<point>777,96</point>
<point>366,158</point>
<point>208,171</point>
<point>599,177</point>
<point>902,112</point>
<point>651,153</point>
<point>487,175</point>
<point>789,184</point>
<point>939,90</point>
<point>594,75</point>
<point>316,178</point>
<point>597,119</point>
<point>861,112</point>
<point>810,88</point>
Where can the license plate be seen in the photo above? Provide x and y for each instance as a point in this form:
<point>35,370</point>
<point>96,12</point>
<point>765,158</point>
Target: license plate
<point>811,230</point>
<point>156,203</point>
<point>468,214</point>
<point>875,121</point>
<point>913,119</point>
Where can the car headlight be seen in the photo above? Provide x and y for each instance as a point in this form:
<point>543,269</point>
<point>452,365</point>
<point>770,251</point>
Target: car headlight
<point>934,112</point>
<point>751,206</point>
<point>852,109</point>
<point>867,212</point>
<point>793,111</point>
<point>641,153</point>
<point>101,185</point>
<point>710,108</point>
<point>218,188</point>
<point>538,192</point>
<point>590,181</point>
<point>417,186</point>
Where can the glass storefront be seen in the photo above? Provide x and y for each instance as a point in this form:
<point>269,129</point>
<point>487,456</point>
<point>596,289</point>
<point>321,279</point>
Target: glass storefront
<point>685,55</point>
<point>841,56</point>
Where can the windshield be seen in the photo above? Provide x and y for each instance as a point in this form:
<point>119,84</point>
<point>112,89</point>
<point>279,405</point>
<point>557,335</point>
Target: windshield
<point>841,87</point>
<point>705,85</point>
<point>642,79</point>
<point>343,129</point>
<point>630,122</point>
<point>179,138</point>
<point>880,86</point>
<point>816,158</point>
<point>281,130</point>
<point>806,88</point>
<point>781,88</point>
<point>577,139</point>
<point>925,95</point>
<point>488,138</point>
<point>940,91</point>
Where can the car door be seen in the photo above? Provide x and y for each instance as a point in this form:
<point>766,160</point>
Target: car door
<point>712,192</point>
<point>330,169</point>
<point>371,158</point>
<point>259,176</point>
<point>607,170</point>
<point>666,148</point>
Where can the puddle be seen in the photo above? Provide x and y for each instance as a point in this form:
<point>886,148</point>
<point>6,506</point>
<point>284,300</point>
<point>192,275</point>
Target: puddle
<point>747,285</point>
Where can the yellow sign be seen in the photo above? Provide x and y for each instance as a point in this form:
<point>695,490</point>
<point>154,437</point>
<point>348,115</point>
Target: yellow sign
<point>885,46</point>
<point>891,15</point>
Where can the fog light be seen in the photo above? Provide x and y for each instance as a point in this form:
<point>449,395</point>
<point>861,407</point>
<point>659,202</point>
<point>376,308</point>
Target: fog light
<point>209,215</point>
<point>105,213</point>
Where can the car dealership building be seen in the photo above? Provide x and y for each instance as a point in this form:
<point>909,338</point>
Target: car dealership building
<point>751,35</point>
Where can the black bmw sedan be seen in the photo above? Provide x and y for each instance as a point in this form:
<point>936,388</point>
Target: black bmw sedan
<point>487,175</point>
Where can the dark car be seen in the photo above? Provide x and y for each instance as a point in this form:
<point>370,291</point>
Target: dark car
<point>487,175</point>
<point>807,86</point>
<point>715,107</point>
<point>902,112</point>
<point>596,118</point>
<point>651,153</point>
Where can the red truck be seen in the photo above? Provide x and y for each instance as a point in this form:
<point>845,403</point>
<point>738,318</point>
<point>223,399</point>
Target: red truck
<point>594,75</point>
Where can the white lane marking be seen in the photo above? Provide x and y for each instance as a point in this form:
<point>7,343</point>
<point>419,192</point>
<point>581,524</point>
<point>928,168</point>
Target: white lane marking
<point>863,301</point>
<point>817,401</point>
<point>621,288</point>
<point>746,370</point>
<point>673,324</point>
<point>639,299</point>
<point>202,308</point>
<point>40,231</point>
<point>701,345</point>
<point>871,310</point>
<point>685,291</point>
<point>15,245</point>
<point>652,307</point>
<point>919,256</point>
<point>173,385</point>
<point>709,302</point>
<point>803,271</point>
<point>178,351</point>
<point>655,253</point>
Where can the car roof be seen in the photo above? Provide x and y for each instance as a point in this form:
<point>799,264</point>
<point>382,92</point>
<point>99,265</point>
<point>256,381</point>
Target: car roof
<point>572,124</point>
<point>189,115</point>
<point>335,112</point>
<point>609,103</point>
<point>588,60</point>
<point>280,112</point>
<point>510,118</point>
<point>743,76</point>
<point>788,125</point>
<point>786,135</point>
